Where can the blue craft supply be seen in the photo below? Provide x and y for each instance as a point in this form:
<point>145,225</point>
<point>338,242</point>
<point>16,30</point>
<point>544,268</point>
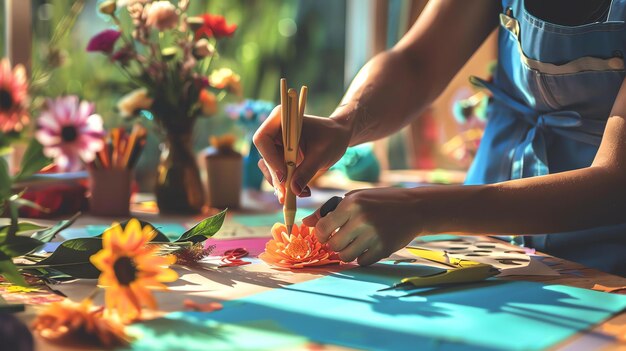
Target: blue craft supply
<point>345,309</point>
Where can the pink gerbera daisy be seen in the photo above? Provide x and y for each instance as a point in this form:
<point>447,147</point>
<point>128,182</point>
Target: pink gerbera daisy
<point>13,97</point>
<point>69,131</point>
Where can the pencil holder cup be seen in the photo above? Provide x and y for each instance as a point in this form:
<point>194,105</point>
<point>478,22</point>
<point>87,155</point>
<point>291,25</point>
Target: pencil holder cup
<point>110,192</point>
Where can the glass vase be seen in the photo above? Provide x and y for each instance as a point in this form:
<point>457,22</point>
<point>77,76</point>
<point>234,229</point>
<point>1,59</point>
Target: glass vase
<point>178,185</point>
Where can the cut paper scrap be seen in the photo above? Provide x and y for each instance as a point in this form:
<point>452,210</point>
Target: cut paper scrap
<point>610,289</point>
<point>254,246</point>
<point>497,254</point>
<point>345,309</point>
<point>268,219</point>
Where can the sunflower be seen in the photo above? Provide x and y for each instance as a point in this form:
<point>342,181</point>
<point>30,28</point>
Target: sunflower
<point>131,268</point>
<point>13,97</point>
<point>298,250</point>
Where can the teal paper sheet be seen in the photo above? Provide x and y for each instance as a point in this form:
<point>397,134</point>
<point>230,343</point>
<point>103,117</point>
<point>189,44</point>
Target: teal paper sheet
<point>346,309</point>
<point>268,219</point>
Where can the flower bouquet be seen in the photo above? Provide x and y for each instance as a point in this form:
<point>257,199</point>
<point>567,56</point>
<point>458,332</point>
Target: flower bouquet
<point>167,55</point>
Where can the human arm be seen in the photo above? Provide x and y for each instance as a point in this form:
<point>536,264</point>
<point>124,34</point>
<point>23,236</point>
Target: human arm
<point>372,224</point>
<point>389,90</point>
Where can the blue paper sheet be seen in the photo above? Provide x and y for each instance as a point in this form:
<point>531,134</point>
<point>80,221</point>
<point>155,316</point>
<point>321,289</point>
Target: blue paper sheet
<point>346,309</point>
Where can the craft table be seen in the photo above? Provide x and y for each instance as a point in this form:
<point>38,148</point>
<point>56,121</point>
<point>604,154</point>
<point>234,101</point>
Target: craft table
<point>205,285</point>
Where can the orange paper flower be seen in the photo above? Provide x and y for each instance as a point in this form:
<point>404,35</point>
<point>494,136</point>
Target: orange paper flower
<point>63,320</point>
<point>130,268</point>
<point>298,250</point>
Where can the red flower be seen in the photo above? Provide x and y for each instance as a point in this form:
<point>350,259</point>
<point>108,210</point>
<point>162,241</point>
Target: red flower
<point>215,26</point>
<point>104,41</point>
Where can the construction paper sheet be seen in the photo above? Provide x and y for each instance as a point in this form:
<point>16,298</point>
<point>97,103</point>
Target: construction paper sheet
<point>268,219</point>
<point>192,331</point>
<point>255,246</point>
<point>232,229</point>
<point>510,260</point>
<point>438,237</point>
<point>346,309</point>
<point>171,230</point>
<point>74,233</point>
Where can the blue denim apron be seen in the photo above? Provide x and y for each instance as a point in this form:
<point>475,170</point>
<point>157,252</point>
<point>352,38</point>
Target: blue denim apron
<point>552,94</point>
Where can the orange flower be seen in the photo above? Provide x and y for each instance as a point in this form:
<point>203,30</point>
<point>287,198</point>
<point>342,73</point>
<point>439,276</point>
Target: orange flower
<point>298,250</point>
<point>13,97</point>
<point>208,102</point>
<point>66,319</point>
<point>130,268</point>
<point>225,78</point>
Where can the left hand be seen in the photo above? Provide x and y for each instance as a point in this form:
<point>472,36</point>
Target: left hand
<point>370,224</point>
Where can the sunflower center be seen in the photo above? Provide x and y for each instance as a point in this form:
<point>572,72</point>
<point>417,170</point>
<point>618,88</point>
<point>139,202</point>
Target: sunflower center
<point>297,248</point>
<point>69,133</point>
<point>6,99</point>
<point>125,270</point>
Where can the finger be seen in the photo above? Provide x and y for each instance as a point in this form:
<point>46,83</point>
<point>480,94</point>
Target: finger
<point>266,171</point>
<point>356,248</point>
<point>370,256</point>
<point>264,141</point>
<point>345,235</point>
<point>304,173</point>
<point>327,226</point>
<point>311,220</point>
<point>272,178</point>
<point>329,206</point>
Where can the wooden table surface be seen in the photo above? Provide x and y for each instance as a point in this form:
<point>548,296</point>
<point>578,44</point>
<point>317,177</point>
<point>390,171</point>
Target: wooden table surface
<point>597,338</point>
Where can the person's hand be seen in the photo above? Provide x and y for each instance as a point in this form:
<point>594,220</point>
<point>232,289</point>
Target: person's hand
<point>322,143</point>
<point>371,224</point>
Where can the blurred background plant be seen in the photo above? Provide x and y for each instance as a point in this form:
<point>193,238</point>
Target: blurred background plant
<point>275,38</point>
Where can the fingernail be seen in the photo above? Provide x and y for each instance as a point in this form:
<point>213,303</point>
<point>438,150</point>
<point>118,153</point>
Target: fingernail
<point>299,186</point>
<point>306,192</point>
<point>280,176</point>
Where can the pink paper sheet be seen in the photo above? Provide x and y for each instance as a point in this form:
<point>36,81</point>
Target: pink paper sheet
<point>255,246</point>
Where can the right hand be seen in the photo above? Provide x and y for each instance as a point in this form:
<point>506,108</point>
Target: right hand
<point>322,143</point>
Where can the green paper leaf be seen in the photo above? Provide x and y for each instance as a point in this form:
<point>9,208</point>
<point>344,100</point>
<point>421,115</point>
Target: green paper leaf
<point>48,234</point>
<point>33,160</point>
<point>72,258</point>
<point>10,272</point>
<point>5,181</point>
<point>205,229</point>
<point>19,245</point>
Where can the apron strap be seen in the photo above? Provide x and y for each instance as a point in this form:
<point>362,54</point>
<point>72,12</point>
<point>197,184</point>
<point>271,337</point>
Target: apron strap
<point>530,156</point>
<point>616,11</point>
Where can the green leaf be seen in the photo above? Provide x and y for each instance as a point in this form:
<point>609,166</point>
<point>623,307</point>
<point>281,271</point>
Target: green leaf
<point>19,245</point>
<point>48,234</point>
<point>33,160</point>
<point>72,258</point>
<point>28,226</point>
<point>21,228</point>
<point>5,181</point>
<point>205,229</point>
<point>10,273</point>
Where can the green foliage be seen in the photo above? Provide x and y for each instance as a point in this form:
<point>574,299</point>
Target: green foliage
<point>204,229</point>
<point>72,256</point>
<point>33,160</point>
